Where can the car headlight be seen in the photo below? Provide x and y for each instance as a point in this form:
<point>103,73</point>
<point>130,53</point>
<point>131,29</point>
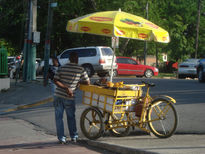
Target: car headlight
<point>156,70</point>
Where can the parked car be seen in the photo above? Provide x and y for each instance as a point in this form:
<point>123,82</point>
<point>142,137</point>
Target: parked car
<point>11,60</point>
<point>94,59</point>
<point>188,68</point>
<point>201,70</point>
<point>129,66</point>
<point>14,65</point>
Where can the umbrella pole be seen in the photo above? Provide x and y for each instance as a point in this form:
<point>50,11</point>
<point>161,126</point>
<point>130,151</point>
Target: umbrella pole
<point>113,56</point>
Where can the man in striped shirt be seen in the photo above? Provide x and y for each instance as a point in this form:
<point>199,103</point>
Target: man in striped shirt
<point>67,79</point>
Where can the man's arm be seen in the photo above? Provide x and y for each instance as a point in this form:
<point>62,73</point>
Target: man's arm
<point>61,85</point>
<point>84,78</point>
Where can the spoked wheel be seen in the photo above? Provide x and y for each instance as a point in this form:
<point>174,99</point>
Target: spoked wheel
<point>91,123</point>
<point>148,73</point>
<point>119,124</point>
<point>162,118</point>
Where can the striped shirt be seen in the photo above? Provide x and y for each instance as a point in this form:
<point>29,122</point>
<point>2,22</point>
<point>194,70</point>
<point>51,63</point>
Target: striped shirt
<point>69,74</point>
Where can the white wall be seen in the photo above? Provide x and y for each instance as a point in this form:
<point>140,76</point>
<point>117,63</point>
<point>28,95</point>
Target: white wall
<point>4,83</point>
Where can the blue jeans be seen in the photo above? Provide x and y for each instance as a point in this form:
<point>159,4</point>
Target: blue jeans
<point>53,87</point>
<point>60,105</point>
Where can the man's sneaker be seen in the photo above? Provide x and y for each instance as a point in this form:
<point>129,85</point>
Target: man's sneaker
<point>74,140</point>
<point>63,140</point>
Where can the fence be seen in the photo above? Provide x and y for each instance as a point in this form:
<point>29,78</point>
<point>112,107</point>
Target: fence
<point>3,62</point>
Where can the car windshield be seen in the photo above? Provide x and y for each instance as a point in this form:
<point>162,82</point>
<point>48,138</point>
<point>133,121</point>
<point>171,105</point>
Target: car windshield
<point>191,60</point>
<point>106,52</point>
<point>10,60</point>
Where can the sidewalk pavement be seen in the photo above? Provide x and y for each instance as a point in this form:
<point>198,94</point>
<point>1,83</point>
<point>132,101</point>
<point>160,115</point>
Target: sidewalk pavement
<point>19,137</point>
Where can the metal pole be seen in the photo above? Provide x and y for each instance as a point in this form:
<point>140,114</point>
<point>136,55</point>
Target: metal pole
<point>47,40</point>
<point>145,45</point>
<point>197,28</point>
<point>113,56</point>
<point>27,47</point>
<point>33,47</point>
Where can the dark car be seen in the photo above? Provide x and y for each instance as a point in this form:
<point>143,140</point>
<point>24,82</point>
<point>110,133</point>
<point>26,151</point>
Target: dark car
<point>129,66</point>
<point>201,70</point>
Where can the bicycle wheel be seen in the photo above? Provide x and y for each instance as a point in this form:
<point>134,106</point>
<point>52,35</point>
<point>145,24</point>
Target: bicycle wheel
<point>119,124</point>
<point>162,118</point>
<point>91,123</point>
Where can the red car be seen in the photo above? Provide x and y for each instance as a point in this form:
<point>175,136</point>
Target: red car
<point>129,66</point>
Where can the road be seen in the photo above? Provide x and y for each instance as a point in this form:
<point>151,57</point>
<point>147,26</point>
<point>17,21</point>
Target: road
<point>190,105</point>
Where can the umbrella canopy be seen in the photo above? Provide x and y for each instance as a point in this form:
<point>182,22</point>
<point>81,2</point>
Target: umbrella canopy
<point>118,24</point>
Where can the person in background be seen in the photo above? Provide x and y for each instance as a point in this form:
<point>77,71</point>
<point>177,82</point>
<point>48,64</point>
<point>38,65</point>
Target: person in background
<point>51,73</point>
<point>67,79</point>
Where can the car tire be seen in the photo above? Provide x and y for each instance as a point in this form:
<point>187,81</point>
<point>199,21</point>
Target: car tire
<point>115,73</point>
<point>148,73</point>
<point>181,76</point>
<point>89,69</point>
<point>200,76</point>
<point>102,74</point>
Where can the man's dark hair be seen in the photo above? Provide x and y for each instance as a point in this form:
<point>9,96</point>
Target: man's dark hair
<point>73,56</point>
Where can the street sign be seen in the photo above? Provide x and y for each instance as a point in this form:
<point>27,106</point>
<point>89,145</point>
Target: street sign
<point>36,37</point>
<point>115,42</point>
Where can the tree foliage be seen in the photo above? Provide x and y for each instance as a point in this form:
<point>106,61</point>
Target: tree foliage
<point>178,17</point>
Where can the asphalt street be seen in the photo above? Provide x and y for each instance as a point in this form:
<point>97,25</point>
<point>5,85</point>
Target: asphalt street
<point>189,95</point>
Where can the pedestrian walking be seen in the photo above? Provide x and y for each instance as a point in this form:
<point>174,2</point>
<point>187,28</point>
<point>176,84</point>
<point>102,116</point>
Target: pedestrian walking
<point>51,73</point>
<point>67,79</point>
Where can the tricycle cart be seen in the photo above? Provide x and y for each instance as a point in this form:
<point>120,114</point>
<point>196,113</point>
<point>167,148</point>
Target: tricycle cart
<point>116,109</point>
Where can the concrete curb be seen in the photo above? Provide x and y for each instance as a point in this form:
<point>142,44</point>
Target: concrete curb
<point>21,107</point>
<point>116,148</point>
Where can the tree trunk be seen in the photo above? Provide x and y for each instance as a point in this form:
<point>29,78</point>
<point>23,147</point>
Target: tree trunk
<point>124,47</point>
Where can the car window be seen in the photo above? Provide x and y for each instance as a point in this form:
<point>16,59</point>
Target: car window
<point>126,61</point>
<point>86,52</point>
<point>106,51</point>
<point>130,61</point>
<point>121,60</point>
<point>81,53</point>
<point>192,60</point>
<point>66,54</point>
<point>10,60</point>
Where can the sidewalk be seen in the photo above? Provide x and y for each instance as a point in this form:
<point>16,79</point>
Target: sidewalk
<point>20,137</point>
<point>177,144</point>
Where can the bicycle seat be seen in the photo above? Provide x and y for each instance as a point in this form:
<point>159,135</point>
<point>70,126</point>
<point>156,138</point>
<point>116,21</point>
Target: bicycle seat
<point>148,84</point>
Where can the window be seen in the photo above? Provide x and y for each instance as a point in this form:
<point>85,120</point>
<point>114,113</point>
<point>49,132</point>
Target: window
<point>126,61</point>
<point>86,52</point>
<point>121,60</point>
<point>130,61</point>
<point>81,53</point>
<point>66,54</point>
<point>106,52</point>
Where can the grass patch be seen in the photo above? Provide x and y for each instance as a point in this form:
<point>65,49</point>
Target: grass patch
<point>162,75</point>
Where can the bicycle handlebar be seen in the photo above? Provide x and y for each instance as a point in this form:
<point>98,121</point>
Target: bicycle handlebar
<point>148,84</point>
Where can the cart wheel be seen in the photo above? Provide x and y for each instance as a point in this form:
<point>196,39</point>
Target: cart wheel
<point>91,123</point>
<point>162,118</point>
<point>119,124</point>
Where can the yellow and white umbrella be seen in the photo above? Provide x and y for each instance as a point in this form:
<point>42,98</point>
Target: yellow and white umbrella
<point>118,24</point>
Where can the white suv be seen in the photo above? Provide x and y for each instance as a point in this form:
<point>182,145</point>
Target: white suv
<point>94,59</point>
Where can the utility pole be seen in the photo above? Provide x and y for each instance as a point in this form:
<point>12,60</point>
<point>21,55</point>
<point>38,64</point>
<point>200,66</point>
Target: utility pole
<point>27,44</point>
<point>29,71</point>
<point>197,28</point>
<point>33,46</point>
<point>51,5</point>
<point>145,44</point>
